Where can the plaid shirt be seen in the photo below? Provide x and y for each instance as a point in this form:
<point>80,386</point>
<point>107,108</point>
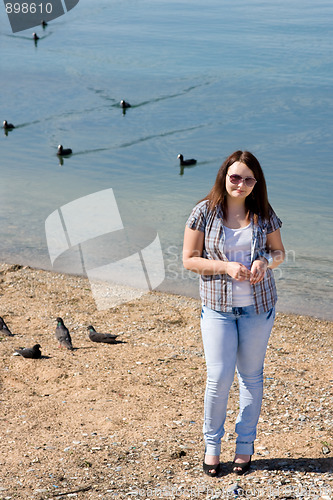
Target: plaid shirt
<point>216,290</point>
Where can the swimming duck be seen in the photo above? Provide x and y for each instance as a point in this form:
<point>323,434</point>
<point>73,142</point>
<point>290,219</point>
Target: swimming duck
<point>124,104</point>
<point>64,152</point>
<point>184,163</point>
<point>7,126</point>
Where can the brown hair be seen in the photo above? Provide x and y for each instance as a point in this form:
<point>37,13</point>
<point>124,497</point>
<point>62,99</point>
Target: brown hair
<point>257,201</point>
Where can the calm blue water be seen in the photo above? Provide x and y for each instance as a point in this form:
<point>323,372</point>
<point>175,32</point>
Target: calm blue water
<point>203,80</point>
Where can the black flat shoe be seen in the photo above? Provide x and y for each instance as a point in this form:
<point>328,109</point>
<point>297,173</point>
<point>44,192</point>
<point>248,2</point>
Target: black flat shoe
<point>211,470</point>
<point>243,467</point>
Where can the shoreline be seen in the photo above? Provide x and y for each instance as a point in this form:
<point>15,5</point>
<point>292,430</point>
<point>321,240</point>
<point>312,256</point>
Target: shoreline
<point>106,420</point>
<point>14,265</point>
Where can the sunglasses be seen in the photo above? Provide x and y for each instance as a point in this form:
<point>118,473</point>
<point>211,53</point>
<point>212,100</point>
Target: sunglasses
<point>237,179</point>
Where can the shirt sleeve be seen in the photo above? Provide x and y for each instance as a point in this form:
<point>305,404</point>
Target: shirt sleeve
<point>197,218</point>
<point>274,222</point>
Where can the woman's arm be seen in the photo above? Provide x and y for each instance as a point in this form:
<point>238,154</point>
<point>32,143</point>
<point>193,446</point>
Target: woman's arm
<point>275,248</point>
<point>193,260</point>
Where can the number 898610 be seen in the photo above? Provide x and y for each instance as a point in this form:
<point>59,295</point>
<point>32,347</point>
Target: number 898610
<point>28,8</point>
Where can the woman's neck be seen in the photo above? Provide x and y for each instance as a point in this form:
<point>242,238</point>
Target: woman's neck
<point>236,206</point>
<point>237,214</point>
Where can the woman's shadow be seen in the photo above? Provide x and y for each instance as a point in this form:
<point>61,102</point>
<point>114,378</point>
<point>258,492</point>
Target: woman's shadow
<point>314,465</point>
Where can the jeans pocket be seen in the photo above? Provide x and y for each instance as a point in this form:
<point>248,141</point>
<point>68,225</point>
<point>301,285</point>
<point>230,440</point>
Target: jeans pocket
<point>271,313</point>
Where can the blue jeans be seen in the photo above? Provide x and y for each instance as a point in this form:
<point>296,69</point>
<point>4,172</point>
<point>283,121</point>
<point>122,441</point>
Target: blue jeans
<point>234,340</point>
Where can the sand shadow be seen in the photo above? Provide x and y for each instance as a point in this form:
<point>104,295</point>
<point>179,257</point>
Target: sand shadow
<point>110,343</point>
<point>314,465</point>
<point>96,344</point>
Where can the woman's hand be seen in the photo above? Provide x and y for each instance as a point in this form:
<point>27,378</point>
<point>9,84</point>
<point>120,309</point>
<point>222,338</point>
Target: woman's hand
<point>258,270</point>
<point>238,271</point>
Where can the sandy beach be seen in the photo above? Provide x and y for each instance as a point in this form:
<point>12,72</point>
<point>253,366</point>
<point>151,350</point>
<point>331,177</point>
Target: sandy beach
<point>125,420</point>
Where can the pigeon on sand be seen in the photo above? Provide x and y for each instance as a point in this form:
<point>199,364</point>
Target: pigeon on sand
<point>62,335</point>
<point>106,338</point>
<point>4,330</point>
<point>30,352</point>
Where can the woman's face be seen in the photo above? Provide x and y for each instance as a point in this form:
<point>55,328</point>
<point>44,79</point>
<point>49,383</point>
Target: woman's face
<point>239,190</point>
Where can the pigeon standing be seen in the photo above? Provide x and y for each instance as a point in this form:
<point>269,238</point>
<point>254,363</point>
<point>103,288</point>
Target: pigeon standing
<point>107,338</point>
<point>62,335</point>
<point>4,330</point>
<point>30,352</point>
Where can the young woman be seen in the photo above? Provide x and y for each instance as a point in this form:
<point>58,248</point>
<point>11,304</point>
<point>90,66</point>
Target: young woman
<point>232,239</point>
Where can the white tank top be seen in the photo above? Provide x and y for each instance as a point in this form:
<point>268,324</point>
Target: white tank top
<point>237,248</point>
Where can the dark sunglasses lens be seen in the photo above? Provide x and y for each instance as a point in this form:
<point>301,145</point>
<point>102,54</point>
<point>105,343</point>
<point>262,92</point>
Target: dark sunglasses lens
<point>250,181</point>
<point>235,179</point>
